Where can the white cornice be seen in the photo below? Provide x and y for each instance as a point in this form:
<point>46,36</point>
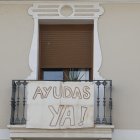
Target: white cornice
<point>40,1</point>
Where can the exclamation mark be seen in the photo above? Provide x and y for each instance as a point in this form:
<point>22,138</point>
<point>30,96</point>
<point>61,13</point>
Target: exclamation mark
<point>83,113</point>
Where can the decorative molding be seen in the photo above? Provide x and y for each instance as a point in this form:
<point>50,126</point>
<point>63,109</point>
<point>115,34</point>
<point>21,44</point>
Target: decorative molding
<point>118,134</point>
<point>33,56</point>
<point>52,10</point>
<point>101,132</point>
<point>97,52</point>
<point>63,11</point>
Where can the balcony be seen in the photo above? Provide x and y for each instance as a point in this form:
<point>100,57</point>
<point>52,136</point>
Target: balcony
<point>102,125</point>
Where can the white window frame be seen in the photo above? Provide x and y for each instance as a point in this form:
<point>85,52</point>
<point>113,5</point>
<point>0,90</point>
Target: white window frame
<point>51,12</point>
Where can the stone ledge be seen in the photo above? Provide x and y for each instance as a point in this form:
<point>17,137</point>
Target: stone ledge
<point>99,131</point>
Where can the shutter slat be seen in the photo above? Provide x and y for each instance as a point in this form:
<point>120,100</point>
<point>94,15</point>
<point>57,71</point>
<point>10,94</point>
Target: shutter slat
<point>66,46</point>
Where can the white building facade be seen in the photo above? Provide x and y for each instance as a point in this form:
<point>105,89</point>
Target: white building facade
<point>114,56</point>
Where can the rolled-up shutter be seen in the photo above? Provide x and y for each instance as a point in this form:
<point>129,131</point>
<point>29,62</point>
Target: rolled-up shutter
<point>66,46</point>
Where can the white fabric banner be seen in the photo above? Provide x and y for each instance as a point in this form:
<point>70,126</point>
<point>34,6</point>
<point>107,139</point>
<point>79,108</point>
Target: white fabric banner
<point>59,105</point>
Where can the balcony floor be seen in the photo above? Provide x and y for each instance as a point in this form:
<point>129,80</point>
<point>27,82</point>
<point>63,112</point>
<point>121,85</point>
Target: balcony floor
<point>98,132</point>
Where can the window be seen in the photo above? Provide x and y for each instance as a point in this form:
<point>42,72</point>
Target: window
<point>66,74</point>
<point>66,52</point>
<point>53,74</point>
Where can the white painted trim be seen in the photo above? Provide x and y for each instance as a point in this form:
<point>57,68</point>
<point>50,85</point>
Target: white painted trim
<point>118,134</point>
<point>20,131</point>
<point>41,1</point>
<point>33,56</point>
<point>38,12</point>
<point>4,134</point>
<point>97,52</point>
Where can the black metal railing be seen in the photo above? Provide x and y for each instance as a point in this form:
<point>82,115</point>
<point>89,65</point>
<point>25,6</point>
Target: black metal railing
<point>102,102</point>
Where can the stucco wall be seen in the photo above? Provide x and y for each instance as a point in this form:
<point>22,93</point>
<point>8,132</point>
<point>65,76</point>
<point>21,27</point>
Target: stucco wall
<point>119,34</point>
<point>16,30</point>
<point>119,30</point>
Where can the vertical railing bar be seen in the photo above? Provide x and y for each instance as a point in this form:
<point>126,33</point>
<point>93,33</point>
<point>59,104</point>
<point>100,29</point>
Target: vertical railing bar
<point>110,103</point>
<point>23,121</point>
<point>13,105</point>
<point>104,121</point>
<point>17,121</point>
<point>98,103</point>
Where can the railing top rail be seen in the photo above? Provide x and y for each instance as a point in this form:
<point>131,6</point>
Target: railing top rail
<point>64,80</point>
